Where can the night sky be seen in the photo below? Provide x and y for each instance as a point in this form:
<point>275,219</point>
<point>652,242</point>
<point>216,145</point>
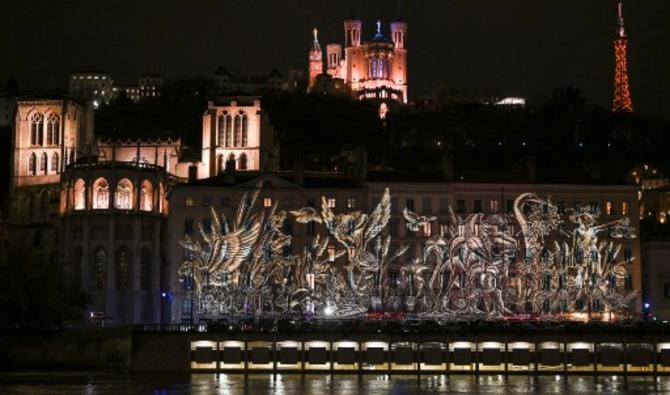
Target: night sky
<point>509,47</point>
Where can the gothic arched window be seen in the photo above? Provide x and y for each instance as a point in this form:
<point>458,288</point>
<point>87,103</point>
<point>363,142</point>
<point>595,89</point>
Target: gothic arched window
<point>99,269</point>
<point>161,198</point>
<point>36,129</point>
<point>32,164</point>
<point>245,130</point>
<point>243,162</point>
<point>43,163</point>
<point>147,196</point>
<point>221,131</point>
<point>53,129</point>
<point>101,194</point>
<point>121,268</point>
<point>80,194</point>
<point>123,198</point>
<point>230,161</point>
<point>237,136</point>
<point>229,131</point>
<point>55,161</point>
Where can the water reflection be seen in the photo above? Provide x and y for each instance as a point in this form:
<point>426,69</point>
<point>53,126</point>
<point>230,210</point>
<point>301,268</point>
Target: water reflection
<point>282,384</point>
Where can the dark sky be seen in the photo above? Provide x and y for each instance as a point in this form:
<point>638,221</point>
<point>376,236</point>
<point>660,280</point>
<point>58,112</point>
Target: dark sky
<point>511,47</point>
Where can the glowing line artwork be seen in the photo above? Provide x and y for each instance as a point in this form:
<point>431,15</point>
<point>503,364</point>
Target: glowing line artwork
<point>480,268</point>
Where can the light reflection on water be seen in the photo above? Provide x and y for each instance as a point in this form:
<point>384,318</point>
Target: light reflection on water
<point>282,384</point>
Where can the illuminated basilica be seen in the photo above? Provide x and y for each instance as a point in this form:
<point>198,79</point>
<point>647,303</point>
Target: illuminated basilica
<point>375,69</point>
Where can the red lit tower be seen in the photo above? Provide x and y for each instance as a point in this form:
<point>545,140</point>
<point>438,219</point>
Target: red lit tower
<point>315,59</point>
<point>622,101</point>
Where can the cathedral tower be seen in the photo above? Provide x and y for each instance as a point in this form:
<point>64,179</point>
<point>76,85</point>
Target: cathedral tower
<point>315,59</point>
<point>622,101</point>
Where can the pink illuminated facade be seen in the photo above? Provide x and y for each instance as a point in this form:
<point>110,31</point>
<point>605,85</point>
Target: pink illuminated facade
<point>373,70</point>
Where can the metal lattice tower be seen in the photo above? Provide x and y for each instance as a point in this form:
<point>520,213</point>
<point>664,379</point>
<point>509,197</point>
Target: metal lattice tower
<point>622,101</point>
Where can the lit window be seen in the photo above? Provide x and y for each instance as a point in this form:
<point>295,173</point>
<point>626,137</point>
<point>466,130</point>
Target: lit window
<point>267,202</point>
<point>444,229</point>
<point>331,253</point>
<point>123,199</point>
<point>189,201</point>
<point>608,207</point>
<point>493,206</point>
<point>427,229</point>
<point>624,208</point>
<point>331,203</point>
<point>351,203</point>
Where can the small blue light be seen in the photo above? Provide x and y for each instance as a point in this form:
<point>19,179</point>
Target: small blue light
<point>163,294</point>
<point>647,305</point>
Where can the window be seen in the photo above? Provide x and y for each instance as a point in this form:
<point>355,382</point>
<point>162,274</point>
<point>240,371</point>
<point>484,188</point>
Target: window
<point>55,162</point>
<point>477,206</point>
<point>237,136</point>
<point>427,205</point>
<point>409,204</point>
<point>99,269</point>
<point>192,172</point>
<point>121,269</point>
<point>351,203</point>
<point>576,204</point>
<point>43,163</point>
<point>493,206</point>
<point>444,205</point>
<point>242,162</point>
<point>123,199</point>
<point>427,229</point>
<point>460,206</point>
<point>32,164</point>
<point>231,162</point>
<point>229,129</point>
<point>221,135</point>
<point>560,207</point>
<point>245,130</point>
<point>625,207</point>
<point>509,206</point>
<point>53,130</point>
<point>36,129</point>
<point>80,194</point>
<point>188,226</point>
<point>146,196</point>
<point>267,202</point>
<point>444,230</point>
<point>331,203</point>
<point>101,194</point>
<point>609,208</point>
<point>331,253</point>
<point>593,206</point>
<point>188,201</point>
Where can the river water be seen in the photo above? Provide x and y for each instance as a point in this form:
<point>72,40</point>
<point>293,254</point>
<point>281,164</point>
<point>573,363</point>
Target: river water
<point>59,383</point>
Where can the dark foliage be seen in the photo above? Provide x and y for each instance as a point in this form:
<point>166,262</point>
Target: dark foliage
<point>35,295</point>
